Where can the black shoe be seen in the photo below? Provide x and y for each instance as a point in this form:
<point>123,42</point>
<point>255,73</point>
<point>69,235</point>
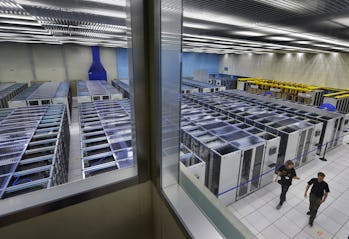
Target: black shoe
<point>279,206</point>
<point>308,213</point>
<point>310,224</point>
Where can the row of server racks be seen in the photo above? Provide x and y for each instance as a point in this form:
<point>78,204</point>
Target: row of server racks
<point>229,81</point>
<point>334,124</point>
<point>123,86</point>
<point>201,86</point>
<point>8,91</point>
<point>298,134</point>
<point>234,152</point>
<point>34,148</point>
<point>106,136</point>
<point>45,94</point>
<point>97,90</point>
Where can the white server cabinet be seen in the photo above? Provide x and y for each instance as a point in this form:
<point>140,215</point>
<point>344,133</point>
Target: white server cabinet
<point>224,172</point>
<point>270,158</point>
<point>195,165</point>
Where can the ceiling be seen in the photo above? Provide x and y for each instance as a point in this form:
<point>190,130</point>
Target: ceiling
<point>266,26</point>
<point>86,22</point>
<point>212,26</point>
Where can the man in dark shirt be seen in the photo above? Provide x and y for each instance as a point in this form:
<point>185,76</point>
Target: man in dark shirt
<point>287,173</point>
<point>318,195</point>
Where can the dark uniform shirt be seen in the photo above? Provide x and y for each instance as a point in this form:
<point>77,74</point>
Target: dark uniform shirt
<point>286,175</point>
<point>318,189</point>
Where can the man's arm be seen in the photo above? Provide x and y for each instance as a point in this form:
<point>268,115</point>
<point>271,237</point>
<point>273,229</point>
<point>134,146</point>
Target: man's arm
<point>324,198</point>
<point>306,191</point>
<point>277,176</point>
<point>296,177</point>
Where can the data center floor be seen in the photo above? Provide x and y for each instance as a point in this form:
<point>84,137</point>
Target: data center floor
<point>75,167</point>
<point>258,210</point>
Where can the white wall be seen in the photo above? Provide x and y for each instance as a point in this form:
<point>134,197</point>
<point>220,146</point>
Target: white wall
<point>21,62</point>
<point>318,69</point>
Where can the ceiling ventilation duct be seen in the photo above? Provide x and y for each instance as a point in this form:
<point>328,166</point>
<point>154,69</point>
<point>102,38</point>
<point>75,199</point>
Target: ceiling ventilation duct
<point>96,71</point>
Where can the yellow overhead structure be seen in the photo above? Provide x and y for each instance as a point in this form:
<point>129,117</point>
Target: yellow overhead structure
<point>336,93</point>
<point>303,93</point>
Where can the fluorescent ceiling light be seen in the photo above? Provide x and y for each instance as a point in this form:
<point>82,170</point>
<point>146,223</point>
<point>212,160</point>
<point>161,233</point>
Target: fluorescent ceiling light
<point>121,3</point>
<point>342,20</point>
<point>248,33</point>
<point>303,42</point>
<point>294,6</point>
<point>23,28</point>
<point>323,45</point>
<point>281,38</point>
<point>217,18</point>
<point>234,41</point>
<point>14,16</point>
<point>273,30</point>
<point>196,25</point>
<point>20,22</point>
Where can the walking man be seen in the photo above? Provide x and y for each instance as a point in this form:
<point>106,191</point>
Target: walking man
<point>318,195</point>
<point>287,173</point>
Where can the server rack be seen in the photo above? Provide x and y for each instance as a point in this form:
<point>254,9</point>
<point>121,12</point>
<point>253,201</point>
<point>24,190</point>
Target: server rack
<point>45,94</point>
<point>89,91</point>
<point>188,89</point>
<point>340,102</point>
<point>8,91</point>
<point>34,149</point>
<point>195,165</point>
<point>234,152</point>
<point>202,86</point>
<point>334,124</point>
<point>315,97</point>
<point>106,137</point>
<point>228,82</point>
<point>292,129</point>
<point>123,86</point>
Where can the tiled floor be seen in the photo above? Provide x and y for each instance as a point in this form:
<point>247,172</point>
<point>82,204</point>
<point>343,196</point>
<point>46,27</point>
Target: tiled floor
<point>258,212</point>
<point>74,172</point>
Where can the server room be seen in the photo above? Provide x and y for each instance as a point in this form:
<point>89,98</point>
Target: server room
<point>174,119</point>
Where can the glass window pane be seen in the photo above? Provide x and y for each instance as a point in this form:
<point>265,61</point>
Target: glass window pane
<point>66,113</point>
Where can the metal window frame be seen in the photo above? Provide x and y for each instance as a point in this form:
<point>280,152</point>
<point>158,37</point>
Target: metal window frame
<point>146,87</point>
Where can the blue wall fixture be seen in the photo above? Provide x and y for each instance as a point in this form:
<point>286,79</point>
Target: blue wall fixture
<point>199,61</point>
<point>122,62</point>
<point>96,71</point>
